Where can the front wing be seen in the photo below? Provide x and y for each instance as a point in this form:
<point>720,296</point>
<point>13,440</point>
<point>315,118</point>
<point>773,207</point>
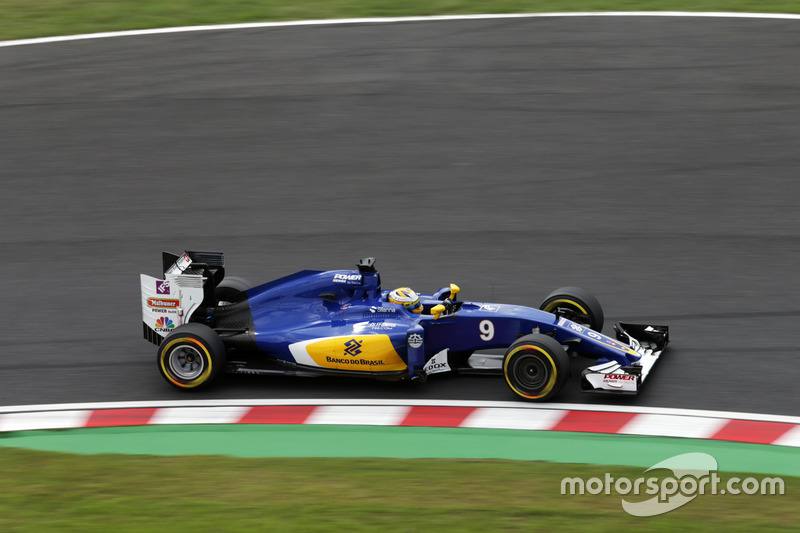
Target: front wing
<point>613,378</point>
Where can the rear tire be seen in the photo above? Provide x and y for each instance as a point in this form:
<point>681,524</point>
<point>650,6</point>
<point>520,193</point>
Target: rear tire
<point>577,305</point>
<point>191,357</point>
<point>536,367</point>
<point>231,290</point>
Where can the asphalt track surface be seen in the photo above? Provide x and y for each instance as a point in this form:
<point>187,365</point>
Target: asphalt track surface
<point>652,161</point>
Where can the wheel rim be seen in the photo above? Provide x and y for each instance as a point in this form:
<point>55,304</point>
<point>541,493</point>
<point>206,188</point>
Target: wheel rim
<point>530,372</point>
<point>186,362</point>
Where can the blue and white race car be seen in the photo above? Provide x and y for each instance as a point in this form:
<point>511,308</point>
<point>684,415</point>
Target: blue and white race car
<point>342,322</point>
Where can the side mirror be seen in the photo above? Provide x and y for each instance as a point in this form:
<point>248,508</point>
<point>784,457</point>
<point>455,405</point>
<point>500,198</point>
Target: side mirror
<point>437,311</point>
<point>454,289</point>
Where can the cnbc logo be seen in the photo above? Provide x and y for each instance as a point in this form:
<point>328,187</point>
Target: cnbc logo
<point>164,324</point>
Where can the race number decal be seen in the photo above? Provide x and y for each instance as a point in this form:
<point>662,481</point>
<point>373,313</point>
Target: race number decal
<point>487,330</point>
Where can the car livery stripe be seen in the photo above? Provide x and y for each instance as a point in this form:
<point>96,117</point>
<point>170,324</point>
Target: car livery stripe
<point>734,427</point>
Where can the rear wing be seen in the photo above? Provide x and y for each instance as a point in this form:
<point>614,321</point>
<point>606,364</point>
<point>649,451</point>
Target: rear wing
<point>188,283</point>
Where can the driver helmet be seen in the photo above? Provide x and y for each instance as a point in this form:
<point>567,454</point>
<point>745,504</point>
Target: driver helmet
<point>407,298</point>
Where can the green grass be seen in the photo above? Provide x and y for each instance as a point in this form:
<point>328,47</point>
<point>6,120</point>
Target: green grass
<point>60,492</point>
<point>35,18</point>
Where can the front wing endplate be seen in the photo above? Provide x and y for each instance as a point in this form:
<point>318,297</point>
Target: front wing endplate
<point>611,377</point>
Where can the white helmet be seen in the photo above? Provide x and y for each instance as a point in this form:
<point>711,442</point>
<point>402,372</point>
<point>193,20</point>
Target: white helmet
<point>408,298</point>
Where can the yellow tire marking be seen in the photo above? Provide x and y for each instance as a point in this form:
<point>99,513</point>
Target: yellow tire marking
<point>199,380</point>
<point>552,305</point>
<point>550,384</point>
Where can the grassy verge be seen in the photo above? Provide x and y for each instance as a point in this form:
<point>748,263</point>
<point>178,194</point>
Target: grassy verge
<point>35,18</point>
<point>61,492</point>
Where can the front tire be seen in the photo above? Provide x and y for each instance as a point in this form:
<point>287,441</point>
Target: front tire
<point>191,357</point>
<point>577,305</point>
<point>536,367</point>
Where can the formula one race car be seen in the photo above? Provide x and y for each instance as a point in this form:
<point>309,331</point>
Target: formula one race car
<point>341,322</point>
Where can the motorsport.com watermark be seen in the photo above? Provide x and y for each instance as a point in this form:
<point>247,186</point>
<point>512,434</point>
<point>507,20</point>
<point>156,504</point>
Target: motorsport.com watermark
<point>693,474</point>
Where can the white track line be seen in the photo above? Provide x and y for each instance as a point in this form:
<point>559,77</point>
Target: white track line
<point>199,415</point>
<point>499,418</point>
<point>373,415</point>
<point>44,420</point>
<point>390,20</point>
<point>790,438</point>
<point>673,426</point>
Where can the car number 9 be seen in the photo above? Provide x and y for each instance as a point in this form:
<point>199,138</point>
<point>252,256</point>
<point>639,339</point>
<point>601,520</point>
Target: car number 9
<point>487,330</point>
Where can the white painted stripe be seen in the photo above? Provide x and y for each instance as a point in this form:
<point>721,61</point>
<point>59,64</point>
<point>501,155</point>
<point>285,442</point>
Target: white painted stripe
<point>498,418</point>
<point>790,438</point>
<point>252,25</point>
<point>367,415</point>
<point>406,402</point>
<point>300,352</point>
<point>694,427</point>
<point>44,420</point>
<point>199,415</point>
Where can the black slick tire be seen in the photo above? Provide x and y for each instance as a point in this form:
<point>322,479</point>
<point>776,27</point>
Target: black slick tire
<point>577,305</point>
<point>191,357</point>
<point>536,367</point>
<point>231,290</point>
